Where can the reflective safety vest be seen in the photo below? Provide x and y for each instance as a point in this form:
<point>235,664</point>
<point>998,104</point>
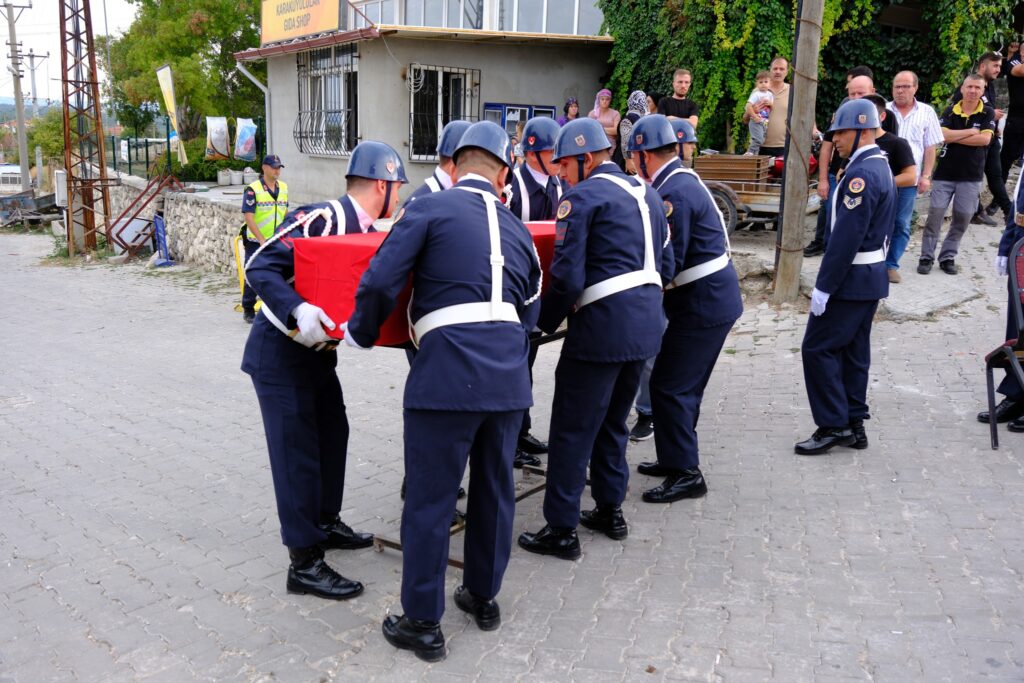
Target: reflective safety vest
<point>270,212</point>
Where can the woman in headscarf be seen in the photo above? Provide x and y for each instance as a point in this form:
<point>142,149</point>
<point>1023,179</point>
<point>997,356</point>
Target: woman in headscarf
<point>606,116</point>
<point>637,107</point>
<point>570,111</point>
<point>652,102</point>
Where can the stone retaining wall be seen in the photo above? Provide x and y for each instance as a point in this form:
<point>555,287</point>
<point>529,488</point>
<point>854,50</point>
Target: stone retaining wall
<point>199,231</point>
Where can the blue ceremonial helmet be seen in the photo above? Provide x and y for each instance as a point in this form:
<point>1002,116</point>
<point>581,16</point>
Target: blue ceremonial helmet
<point>578,137</point>
<point>489,137</point>
<point>651,132</point>
<point>684,131</point>
<point>377,161</point>
<point>540,134</point>
<point>856,115</point>
<point>450,137</point>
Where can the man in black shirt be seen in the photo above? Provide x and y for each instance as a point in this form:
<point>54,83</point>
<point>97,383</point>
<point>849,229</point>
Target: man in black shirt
<point>904,172</point>
<point>989,67</point>
<point>678,105</point>
<point>1013,131</point>
<point>967,127</point>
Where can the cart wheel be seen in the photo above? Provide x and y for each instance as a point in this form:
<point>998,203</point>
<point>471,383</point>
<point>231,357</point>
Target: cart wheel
<point>728,209</point>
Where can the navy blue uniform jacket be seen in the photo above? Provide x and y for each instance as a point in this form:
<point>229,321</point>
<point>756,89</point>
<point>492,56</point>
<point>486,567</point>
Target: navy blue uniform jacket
<point>424,189</point>
<point>863,219</point>
<point>697,237</point>
<point>537,197</point>
<point>270,355</point>
<point>442,238</point>
<point>599,235</point>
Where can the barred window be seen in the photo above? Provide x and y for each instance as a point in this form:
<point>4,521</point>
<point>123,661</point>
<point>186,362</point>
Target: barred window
<point>328,122</point>
<point>439,94</point>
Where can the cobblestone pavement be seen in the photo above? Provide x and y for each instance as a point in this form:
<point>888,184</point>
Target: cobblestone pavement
<point>139,538</point>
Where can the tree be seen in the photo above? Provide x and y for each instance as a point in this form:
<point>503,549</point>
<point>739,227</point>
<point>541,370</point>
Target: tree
<point>197,38</point>
<point>47,132</point>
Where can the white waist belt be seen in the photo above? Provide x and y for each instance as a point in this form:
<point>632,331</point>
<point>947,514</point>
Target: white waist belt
<point>866,258</point>
<point>697,272</point>
<point>460,314</point>
<point>619,283</point>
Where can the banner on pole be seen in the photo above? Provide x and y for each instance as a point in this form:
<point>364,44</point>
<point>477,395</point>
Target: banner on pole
<point>166,80</point>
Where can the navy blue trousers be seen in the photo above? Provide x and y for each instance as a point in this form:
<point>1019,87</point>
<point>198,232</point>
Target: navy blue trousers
<point>307,436</point>
<point>588,425</point>
<point>530,359</point>
<point>249,248</point>
<point>437,445</point>
<point>681,372</point>
<point>1009,387</point>
<point>837,355</point>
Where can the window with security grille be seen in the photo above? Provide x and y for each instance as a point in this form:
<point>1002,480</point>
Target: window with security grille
<point>327,122</point>
<point>439,94</point>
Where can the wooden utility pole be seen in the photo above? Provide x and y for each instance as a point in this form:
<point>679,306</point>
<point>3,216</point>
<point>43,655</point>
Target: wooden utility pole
<point>800,125</point>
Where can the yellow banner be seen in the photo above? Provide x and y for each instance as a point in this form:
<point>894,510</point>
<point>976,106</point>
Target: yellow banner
<point>287,19</point>
<point>166,80</point>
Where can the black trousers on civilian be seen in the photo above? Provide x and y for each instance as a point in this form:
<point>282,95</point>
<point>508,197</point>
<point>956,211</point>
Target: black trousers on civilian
<point>996,179</point>
<point>1013,145</point>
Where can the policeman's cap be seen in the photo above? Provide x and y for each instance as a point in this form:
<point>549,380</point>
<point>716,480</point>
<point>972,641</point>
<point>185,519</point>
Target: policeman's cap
<point>376,161</point>
<point>540,134</point>
<point>488,136</point>
<point>856,115</point>
<point>450,137</point>
<point>273,161</point>
<point>580,136</point>
<point>650,132</point>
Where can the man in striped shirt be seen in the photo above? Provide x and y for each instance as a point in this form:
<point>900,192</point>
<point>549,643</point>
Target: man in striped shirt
<point>919,126</point>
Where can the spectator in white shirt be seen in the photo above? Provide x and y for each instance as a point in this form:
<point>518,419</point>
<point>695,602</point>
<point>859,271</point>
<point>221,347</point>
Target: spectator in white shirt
<point>919,126</point>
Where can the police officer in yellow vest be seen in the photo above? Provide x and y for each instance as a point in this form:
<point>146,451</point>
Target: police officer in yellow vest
<point>264,206</point>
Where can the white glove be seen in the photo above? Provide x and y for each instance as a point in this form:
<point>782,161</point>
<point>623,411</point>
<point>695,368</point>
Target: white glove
<point>819,300</point>
<point>350,341</point>
<point>1000,264</point>
<point>311,321</point>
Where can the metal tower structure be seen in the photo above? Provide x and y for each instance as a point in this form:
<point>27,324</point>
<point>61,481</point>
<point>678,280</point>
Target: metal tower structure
<point>88,209</point>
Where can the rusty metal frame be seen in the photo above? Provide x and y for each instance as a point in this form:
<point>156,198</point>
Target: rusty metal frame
<point>84,157</point>
<point>131,212</point>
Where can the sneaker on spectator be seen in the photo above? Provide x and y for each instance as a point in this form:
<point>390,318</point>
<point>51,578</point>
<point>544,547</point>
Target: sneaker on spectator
<point>984,219</point>
<point>894,275</point>
<point>643,429</point>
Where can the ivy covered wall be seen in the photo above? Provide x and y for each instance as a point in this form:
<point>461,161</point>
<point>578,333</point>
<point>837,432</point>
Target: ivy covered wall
<point>726,42</point>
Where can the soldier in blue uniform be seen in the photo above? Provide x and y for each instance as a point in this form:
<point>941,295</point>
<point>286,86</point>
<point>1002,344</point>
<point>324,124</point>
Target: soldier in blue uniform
<point>476,286</point>
<point>1011,408</point>
<point>837,344</point>
<point>702,303</point>
<point>292,364</point>
<point>441,179</point>
<point>686,137</point>
<point>535,192</point>
<point>611,261</point>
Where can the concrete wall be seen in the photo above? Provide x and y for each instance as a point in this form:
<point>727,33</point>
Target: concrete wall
<point>520,74</point>
<point>199,229</point>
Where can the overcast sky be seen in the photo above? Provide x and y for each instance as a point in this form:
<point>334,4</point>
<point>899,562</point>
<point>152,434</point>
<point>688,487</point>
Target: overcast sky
<point>39,30</point>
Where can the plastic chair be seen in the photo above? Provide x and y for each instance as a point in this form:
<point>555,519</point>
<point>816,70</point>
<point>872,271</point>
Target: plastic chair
<point>1010,355</point>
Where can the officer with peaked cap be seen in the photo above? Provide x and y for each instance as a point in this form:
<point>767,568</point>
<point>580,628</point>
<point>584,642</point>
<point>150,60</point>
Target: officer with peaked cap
<point>292,364</point>
<point>836,348</point>
<point>702,303</point>
<point>611,261</point>
<point>441,179</point>
<point>535,194</point>
<point>476,284</point>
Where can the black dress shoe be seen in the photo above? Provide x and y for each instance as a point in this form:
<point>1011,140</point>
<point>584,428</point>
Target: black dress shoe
<point>814,248</point>
<point>486,613</point>
<point>1016,425</point>
<point>860,437</point>
<point>677,486</point>
<point>825,438</point>
<point>309,573</point>
<point>1006,410</point>
<point>524,458</point>
<point>653,468</point>
<point>341,537</point>
<point>924,266</point>
<point>562,543</point>
<point>424,638</point>
<point>528,443</point>
<point>607,519</point>
<point>948,266</point>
